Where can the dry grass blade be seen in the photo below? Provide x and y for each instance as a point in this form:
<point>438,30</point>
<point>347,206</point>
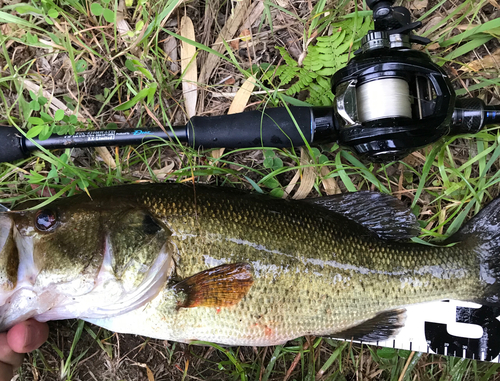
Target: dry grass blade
<point>406,366</point>
<point>188,64</point>
<point>228,31</point>
<point>308,176</point>
<point>106,156</point>
<point>487,62</point>
<point>295,362</point>
<point>330,184</point>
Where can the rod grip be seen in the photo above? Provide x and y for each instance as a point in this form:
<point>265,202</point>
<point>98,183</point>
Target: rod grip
<point>11,147</point>
<point>273,127</point>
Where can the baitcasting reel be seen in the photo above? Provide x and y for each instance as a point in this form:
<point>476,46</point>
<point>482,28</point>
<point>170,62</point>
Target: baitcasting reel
<point>390,100</point>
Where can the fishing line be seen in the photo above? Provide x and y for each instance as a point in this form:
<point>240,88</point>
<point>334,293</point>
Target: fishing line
<point>429,101</point>
<point>384,98</point>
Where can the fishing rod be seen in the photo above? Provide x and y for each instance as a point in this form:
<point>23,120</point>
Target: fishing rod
<point>390,100</point>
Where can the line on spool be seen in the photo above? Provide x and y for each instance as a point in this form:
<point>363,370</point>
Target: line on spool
<point>383,98</point>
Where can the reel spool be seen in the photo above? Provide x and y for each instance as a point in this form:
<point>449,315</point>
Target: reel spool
<point>384,98</point>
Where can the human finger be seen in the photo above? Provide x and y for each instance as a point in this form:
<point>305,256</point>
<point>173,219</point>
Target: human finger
<point>7,355</point>
<point>6,372</point>
<point>27,336</point>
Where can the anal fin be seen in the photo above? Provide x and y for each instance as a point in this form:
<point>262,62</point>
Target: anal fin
<point>381,327</point>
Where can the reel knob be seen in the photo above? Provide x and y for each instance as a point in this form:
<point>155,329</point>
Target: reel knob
<point>375,40</point>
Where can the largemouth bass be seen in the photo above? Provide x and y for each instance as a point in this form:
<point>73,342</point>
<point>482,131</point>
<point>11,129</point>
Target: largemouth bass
<point>188,263</point>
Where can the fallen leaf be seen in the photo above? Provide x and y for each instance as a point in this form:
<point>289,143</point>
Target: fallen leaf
<point>495,4</point>
<point>242,96</point>
<point>283,3</point>
<point>419,4</point>
<point>433,46</point>
<point>170,49</point>
<point>150,374</point>
<point>245,35</point>
<point>122,26</point>
<point>188,65</point>
<point>291,184</point>
<point>255,14</point>
<point>227,33</point>
<point>487,62</point>
<point>430,23</point>
<point>235,44</point>
<point>163,172</point>
<point>43,191</point>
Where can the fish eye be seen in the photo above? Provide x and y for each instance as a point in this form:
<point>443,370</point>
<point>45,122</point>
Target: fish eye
<point>45,220</point>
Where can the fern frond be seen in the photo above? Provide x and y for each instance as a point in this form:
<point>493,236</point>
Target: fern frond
<point>288,74</point>
<point>328,71</point>
<point>323,59</point>
<point>288,59</point>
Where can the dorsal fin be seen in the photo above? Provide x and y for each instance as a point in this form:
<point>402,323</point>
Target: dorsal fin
<point>382,214</point>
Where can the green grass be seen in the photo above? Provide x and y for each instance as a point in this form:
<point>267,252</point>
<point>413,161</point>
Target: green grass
<point>73,51</point>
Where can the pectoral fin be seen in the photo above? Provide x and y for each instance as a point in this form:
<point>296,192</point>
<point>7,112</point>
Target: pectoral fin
<point>381,327</point>
<point>221,286</point>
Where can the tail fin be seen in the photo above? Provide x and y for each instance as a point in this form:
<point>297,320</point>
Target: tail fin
<point>482,234</point>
